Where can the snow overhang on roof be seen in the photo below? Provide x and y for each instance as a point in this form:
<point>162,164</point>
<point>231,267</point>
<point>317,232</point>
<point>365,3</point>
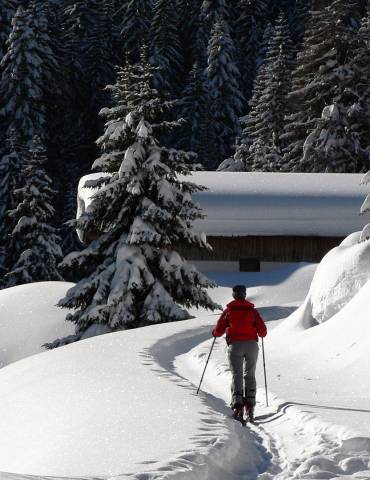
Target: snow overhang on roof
<point>259,203</point>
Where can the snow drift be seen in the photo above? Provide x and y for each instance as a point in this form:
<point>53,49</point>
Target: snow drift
<point>338,278</point>
<point>323,347</point>
<point>29,318</point>
<point>330,359</point>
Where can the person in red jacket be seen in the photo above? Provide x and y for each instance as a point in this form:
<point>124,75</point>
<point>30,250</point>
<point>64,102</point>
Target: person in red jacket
<point>243,325</point>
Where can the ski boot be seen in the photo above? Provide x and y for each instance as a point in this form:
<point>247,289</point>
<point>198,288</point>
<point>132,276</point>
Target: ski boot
<point>250,413</point>
<point>249,409</point>
<point>238,413</point>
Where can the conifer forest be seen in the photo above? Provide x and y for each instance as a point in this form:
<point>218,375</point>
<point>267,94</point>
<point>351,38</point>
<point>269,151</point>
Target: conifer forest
<point>227,85</point>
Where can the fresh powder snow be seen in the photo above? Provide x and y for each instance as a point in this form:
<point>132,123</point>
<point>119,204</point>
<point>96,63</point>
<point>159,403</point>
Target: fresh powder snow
<point>128,399</point>
<point>29,318</point>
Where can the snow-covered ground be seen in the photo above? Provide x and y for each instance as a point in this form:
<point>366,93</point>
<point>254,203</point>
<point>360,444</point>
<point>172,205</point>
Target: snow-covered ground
<point>29,318</point>
<point>125,404</point>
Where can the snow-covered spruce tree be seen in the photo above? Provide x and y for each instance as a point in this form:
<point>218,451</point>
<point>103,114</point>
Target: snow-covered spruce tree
<point>194,110</point>
<point>99,52</point>
<point>76,24</point>
<point>299,19</point>
<point>89,34</point>
<point>80,113</point>
<point>358,113</point>
<point>135,27</point>
<point>224,87</point>
<point>39,12</point>
<point>7,11</point>
<point>259,148</point>
<point>321,79</point>
<point>21,93</point>
<point>165,49</point>
<point>54,80</point>
<point>191,32</point>
<point>59,98</point>
<point>213,9</point>
<point>263,125</point>
<point>74,161</point>
<point>334,144</point>
<point>13,158</point>
<point>249,30</point>
<point>88,37</point>
<point>34,241</point>
<point>132,275</point>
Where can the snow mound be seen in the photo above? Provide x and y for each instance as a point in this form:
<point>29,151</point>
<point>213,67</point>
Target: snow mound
<point>29,318</point>
<point>339,276</point>
<point>331,359</point>
<point>114,397</point>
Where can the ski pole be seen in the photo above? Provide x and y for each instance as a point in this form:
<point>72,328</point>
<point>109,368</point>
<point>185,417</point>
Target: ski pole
<point>204,371</point>
<point>264,372</point>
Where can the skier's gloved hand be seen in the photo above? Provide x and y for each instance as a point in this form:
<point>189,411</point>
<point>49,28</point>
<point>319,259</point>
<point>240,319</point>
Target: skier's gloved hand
<point>213,333</point>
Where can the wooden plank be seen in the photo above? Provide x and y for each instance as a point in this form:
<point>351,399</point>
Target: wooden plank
<point>265,249</point>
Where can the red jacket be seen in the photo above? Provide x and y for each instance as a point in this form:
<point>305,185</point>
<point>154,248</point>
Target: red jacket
<point>241,321</point>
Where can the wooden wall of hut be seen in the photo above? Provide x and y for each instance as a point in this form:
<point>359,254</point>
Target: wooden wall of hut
<point>264,248</point>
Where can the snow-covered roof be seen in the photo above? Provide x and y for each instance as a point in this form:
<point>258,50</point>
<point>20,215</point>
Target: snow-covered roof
<point>259,203</point>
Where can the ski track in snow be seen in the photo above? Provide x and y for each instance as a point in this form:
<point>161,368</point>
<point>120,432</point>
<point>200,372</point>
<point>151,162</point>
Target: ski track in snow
<point>286,443</point>
<point>290,443</point>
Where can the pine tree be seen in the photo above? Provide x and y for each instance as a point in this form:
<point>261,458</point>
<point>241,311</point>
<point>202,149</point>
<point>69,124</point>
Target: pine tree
<point>195,110</point>
<point>89,31</point>
<point>132,273</point>
<point>299,19</point>
<point>191,29</point>
<point>89,36</point>
<point>78,21</point>
<point>224,87</point>
<point>264,123</point>
<point>21,87</point>
<point>320,79</point>
<point>331,146</point>
<point>249,30</point>
<point>98,52</point>
<point>11,166</point>
<point>201,42</point>
<point>74,161</point>
<point>359,111</point>
<point>340,140</point>
<point>7,11</point>
<point>165,49</point>
<point>135,27</point>
<point>214,9</point>
<point>54,81</point>
<point>45,47</point>
<point>34,240</point>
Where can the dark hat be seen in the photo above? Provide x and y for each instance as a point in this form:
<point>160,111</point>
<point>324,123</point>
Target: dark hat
<point>239,291</point>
